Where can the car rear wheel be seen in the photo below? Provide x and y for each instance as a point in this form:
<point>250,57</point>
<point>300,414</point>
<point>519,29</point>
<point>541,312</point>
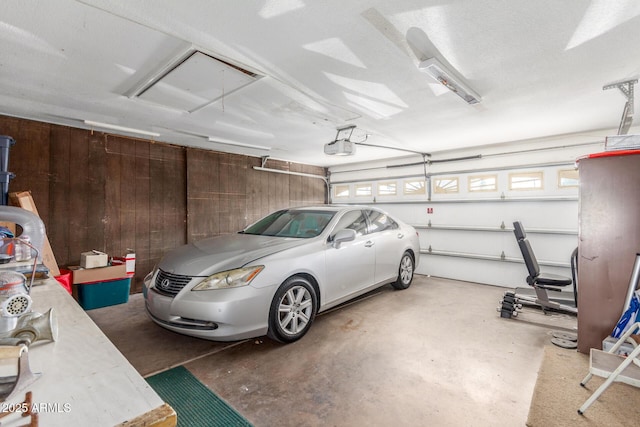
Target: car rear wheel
<point>405,272</point>
<point>292,310</point>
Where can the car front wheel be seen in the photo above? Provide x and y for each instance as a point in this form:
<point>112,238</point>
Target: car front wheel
<point>405,272</point>
<point>292,310</point>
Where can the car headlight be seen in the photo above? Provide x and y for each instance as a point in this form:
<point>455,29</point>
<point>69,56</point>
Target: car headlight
<point>229,279</point>
<point>148,277</point>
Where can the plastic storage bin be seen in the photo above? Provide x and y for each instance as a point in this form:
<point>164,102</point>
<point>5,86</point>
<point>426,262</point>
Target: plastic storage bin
<point>103,294</point>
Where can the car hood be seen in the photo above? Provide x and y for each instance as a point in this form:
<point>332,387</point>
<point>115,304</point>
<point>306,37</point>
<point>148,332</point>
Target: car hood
<point>222,253</point>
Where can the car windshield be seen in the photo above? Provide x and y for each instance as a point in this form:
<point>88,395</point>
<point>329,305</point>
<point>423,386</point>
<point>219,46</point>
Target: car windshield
<point>291,223</point>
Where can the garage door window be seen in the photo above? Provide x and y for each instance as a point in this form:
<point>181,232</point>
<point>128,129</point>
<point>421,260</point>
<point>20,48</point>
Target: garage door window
<point>387,189</point>
<point>568,178</point>
<point>525,181</point>
<point>483,183</point>
<point>445,185</point>
<point>341,191</point>
<point>363,190</point>
<point>413,188</point>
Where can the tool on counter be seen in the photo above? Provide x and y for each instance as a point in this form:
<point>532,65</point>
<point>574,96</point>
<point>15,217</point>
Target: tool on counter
<point>32,327</point>
<point>19,326</point>
<point>14,350</point>
<point>15,357</point>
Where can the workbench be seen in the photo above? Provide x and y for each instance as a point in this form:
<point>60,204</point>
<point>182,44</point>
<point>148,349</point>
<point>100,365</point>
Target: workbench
<point>85,380</point>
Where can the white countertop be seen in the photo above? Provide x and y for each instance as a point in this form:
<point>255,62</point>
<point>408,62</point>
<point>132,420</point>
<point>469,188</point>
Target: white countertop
<point>85,380</point>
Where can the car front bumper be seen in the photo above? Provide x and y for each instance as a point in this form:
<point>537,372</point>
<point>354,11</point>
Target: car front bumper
<point>219,315</point>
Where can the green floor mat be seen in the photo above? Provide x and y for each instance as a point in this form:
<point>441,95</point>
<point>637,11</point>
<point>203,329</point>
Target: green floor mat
<point>194,403</point>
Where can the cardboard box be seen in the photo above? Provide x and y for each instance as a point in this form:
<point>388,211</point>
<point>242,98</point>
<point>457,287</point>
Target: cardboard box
<point>93,259</point>
<point>24,200</point>
<point>100,274</point>
<point>129,260</point>
<point>104,294</point>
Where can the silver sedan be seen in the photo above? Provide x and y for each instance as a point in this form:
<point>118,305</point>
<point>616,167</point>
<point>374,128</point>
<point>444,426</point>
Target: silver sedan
<point>274,276</point>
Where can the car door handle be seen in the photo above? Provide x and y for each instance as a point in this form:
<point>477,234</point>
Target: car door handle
<point>369,244</point>
<point>400,235</point>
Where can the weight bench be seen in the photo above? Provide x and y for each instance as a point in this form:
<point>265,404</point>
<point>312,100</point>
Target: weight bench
<point>541,282</point>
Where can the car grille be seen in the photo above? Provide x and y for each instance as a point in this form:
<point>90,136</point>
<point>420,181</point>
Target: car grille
<point>170,284</point>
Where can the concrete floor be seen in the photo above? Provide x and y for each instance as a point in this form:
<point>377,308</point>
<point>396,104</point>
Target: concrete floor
<point>435,354</point>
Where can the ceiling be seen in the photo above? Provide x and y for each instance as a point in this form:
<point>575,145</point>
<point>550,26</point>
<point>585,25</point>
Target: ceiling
<point>312,67</point>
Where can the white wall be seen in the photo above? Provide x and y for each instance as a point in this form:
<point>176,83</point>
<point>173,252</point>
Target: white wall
<point>468,235</point>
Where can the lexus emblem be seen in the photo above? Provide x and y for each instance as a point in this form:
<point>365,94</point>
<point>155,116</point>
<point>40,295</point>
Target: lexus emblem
<point>164,284</point>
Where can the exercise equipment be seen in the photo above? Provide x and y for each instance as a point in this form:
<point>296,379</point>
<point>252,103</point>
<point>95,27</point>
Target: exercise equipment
<point>541,282</point>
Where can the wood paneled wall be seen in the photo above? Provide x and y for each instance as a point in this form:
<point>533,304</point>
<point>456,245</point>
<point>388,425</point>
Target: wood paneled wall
<point>99,191</point>
<point>226,194</point>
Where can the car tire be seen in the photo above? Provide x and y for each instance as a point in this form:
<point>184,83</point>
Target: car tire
<point>405,272</point>
<point>292,311</point>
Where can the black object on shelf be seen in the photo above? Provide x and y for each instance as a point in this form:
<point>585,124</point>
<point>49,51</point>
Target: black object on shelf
<point>5,176</point>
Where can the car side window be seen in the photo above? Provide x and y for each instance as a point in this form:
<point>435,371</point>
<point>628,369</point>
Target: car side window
<point>353,220</point>
<point>379,221</point>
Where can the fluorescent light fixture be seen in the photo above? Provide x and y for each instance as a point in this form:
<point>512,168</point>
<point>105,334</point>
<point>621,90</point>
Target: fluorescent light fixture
<point>449,79</point>
<point>238,144</point>
<point>119,128</point>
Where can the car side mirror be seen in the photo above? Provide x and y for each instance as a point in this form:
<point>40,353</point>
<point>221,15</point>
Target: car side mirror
<point>345,235</point>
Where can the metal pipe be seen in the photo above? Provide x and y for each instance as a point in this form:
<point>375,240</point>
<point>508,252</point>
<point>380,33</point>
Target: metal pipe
<point>531,150</point>
<point>494,229</point>
<point>455,159</point>
<point>485,200</point>
<point>392,148</point>
<point>501,168</point>
<point>478,156</point>
<point>306,175</point>
<point>490,258</point>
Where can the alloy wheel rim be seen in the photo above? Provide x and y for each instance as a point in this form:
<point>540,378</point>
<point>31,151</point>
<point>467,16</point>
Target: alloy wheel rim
<point>406,269</point>
<point>295,309</point>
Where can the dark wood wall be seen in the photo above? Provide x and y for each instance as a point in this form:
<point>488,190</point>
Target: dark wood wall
<point>99,191</point>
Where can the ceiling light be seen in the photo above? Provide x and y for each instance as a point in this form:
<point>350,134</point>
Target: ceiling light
<point>238,144</point>
<point>449,79</point>
<point>120,128</point>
